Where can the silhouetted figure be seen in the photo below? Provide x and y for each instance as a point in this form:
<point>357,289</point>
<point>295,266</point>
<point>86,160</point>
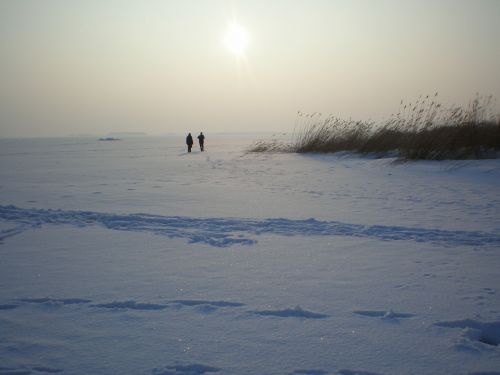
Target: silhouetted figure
<point>189,142</point>
<point>201,139</point>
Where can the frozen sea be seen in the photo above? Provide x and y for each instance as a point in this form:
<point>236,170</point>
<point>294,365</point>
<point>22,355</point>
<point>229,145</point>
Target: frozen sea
<point>135,257</point>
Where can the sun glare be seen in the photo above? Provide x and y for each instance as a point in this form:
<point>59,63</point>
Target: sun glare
<point>236,39</point>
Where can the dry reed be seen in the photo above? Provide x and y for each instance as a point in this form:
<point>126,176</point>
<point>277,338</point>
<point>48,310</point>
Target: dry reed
<point>420,130</point>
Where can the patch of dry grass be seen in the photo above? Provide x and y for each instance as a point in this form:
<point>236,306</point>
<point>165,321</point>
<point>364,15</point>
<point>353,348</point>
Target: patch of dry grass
<point>420,130</point>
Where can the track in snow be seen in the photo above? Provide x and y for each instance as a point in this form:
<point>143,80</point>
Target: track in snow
<point>224,232</point>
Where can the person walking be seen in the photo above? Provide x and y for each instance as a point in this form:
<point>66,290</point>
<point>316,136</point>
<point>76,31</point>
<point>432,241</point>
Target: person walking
<point>189,142</point>
<point>201,139</point>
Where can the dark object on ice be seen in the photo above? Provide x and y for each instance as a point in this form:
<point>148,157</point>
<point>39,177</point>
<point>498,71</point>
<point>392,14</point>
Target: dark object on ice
<point>201,139</point>
<point>189,142</point>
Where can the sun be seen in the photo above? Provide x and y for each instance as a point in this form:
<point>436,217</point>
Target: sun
<point>236,39</point>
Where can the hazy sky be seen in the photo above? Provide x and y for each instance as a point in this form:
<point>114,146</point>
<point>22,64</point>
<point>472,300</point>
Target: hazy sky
<point>160,66</point>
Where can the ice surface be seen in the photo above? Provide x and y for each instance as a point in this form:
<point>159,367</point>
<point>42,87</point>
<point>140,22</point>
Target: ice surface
<point>135,257</point>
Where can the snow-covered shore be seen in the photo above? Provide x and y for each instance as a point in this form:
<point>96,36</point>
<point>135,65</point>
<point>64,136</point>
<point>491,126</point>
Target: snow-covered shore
<point>135,257</point>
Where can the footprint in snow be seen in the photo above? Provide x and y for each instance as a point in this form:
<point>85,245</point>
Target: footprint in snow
<point>14,371</point>
<point>296,312</point>
<point>309,372</point>
<point>131,305</point>
<point>354,372</point>
<point>25,371</point>
<point>194,369</point>
<point>389,315</point>
<point>204,307</point>
<point>474,331</point>
<point>56,301</point>
<point>8,307</point>
<point>47,370</point>
<point>210,303</point>
<point>201,305</point>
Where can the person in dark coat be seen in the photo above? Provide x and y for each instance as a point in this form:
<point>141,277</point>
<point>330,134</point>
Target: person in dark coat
<point>201,139</point>
<point>189,142</point>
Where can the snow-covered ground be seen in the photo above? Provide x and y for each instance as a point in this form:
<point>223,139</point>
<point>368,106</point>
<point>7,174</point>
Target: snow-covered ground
<point>135,257</point>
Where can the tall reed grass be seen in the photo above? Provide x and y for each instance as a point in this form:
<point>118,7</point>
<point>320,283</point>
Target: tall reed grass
<point>423,129</point>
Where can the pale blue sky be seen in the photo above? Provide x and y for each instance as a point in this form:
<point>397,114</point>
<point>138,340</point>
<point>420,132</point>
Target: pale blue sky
<point>158,66</point>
